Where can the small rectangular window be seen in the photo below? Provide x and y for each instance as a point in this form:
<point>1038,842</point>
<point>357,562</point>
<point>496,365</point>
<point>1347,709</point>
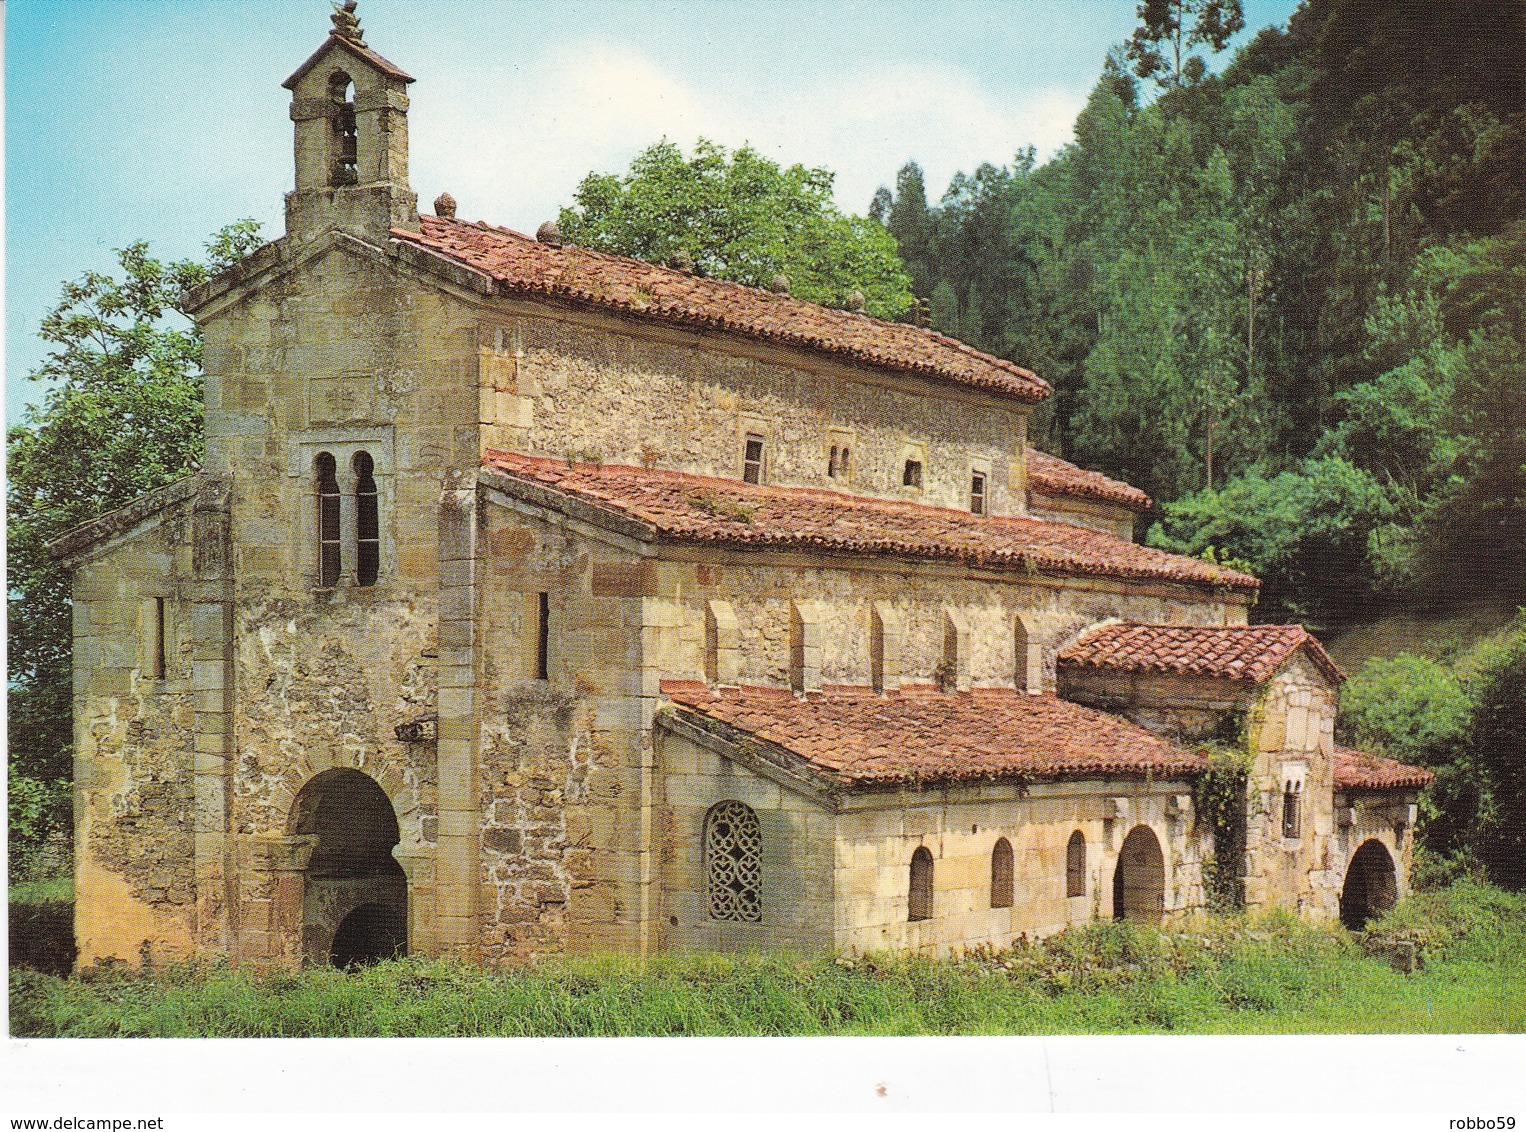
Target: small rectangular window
<point>543,639</point>
<point>912,476</point>
<point>752,460</point>
<point>977,494</point>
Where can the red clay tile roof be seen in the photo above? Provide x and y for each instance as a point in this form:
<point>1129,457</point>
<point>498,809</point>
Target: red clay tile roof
<point>1054,476</point>
<point>1358,770</point>
<point>682,507</point>
<point>860,738</point>
<point>386,66</point>
<point>1230,652</point>
<point>522,266</point>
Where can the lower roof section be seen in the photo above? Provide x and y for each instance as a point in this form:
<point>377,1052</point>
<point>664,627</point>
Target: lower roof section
<point>856,737</point>
<point>686,508</point>
<point>1358,770</point>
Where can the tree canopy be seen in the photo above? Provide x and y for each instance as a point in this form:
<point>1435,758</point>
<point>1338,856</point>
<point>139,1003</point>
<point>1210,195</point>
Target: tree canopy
<point>743,218</point>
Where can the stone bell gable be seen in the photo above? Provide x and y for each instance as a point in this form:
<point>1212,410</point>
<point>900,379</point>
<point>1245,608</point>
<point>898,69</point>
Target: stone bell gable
<point>349,109</point>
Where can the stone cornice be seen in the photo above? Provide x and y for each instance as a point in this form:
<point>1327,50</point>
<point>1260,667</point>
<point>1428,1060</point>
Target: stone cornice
<point>74,545</point>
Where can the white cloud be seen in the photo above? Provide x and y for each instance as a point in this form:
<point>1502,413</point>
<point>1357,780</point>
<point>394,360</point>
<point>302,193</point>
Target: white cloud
<point>512,145</point>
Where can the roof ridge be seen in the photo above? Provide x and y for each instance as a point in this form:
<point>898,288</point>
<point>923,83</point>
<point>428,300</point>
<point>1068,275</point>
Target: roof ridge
<point>691,299</point>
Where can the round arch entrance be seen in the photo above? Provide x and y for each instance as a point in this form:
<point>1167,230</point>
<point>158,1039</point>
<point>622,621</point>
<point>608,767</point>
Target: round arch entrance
<point>1372,885</point>
<point>1139,881</point>
<point>354,893</point>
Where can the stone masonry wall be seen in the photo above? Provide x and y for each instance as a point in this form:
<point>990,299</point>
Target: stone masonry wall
<point>626,395</point>
<point>135,894</point>
<point>341,353</point>
<point>1292,733</point>
<point>797,866</point>
<point>566,761</point>
<point>1117,521</point>
<point>762,596</point>
<point>877,836</point>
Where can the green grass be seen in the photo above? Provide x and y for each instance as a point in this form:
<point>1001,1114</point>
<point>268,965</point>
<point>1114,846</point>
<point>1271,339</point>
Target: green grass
<point>42,890</point>
<point>1222,975</point>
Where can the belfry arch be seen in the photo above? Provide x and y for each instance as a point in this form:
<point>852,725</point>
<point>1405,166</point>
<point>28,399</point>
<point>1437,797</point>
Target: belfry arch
<point>354,893</point>
<point>1371,887</point>
<point>1139,880</point>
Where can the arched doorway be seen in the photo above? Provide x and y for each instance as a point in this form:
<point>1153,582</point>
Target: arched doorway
<point>1372,885</point>
<point>1139,881</point>
<point>354,893</point>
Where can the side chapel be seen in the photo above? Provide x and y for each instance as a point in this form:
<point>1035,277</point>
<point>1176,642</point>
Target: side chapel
<point>533,599</point>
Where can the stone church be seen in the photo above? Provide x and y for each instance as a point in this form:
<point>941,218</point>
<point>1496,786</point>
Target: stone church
<point>531,599</point>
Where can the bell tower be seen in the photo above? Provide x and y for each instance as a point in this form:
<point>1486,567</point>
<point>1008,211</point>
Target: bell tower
<point>349,109</point>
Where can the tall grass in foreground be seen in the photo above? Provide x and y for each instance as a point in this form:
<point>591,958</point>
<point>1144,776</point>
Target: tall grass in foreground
<point>1266,974</point>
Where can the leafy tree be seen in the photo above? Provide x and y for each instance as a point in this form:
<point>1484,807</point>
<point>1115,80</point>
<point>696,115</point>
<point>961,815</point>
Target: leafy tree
<point>1167,28</point>
<point>1410,706</point>
<point>908,221</point>
<point>1307,532</point>
<point>740,217</point>
<point>1496,756</point>
<point>123,416</point>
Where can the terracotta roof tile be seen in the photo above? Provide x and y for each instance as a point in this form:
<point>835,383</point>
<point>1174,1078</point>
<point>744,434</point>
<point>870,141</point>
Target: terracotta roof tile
<point>522,266</point>
<point>359,50</point>
<point>862,738</point>
<point>1358,770</point>
<point>683,507</point>
<point>1054,476</point>
<point>1230,652</point>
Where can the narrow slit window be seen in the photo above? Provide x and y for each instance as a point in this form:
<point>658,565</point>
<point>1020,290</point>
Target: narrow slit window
<point>1290,806</point>
<point>156,630</point>
<point>1075,865</point>
<point>752,460</point>
<point>919,905</point>
<point>543,638</point>
<point>1001,874</point>
<point>367,522</point>
<point>842,464</point>
<point>832,463</point>
<point>328,521</point>
<point>911,476</point>
<point>977,494</point>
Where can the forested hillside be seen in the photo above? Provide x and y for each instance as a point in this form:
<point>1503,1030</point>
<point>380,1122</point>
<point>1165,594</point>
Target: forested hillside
<point>1288,300</point>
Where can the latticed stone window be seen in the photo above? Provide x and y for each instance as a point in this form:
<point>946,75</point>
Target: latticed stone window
<point>1001,874</point>
<point>1075,865</point>
<point>919,906</point>
<point>734,862</point>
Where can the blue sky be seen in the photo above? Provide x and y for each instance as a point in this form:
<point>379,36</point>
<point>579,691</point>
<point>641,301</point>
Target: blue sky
<point>165,119</point>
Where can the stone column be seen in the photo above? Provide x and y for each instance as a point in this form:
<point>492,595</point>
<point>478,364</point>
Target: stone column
<point>457,869</point>
<point>273,925</point>
<point>212,687</point>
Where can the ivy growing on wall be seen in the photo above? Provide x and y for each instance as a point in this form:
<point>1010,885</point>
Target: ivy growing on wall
<point>1218,800</point>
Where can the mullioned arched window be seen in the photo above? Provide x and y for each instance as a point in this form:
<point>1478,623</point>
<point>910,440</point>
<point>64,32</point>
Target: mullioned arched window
<point>327,487</point>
